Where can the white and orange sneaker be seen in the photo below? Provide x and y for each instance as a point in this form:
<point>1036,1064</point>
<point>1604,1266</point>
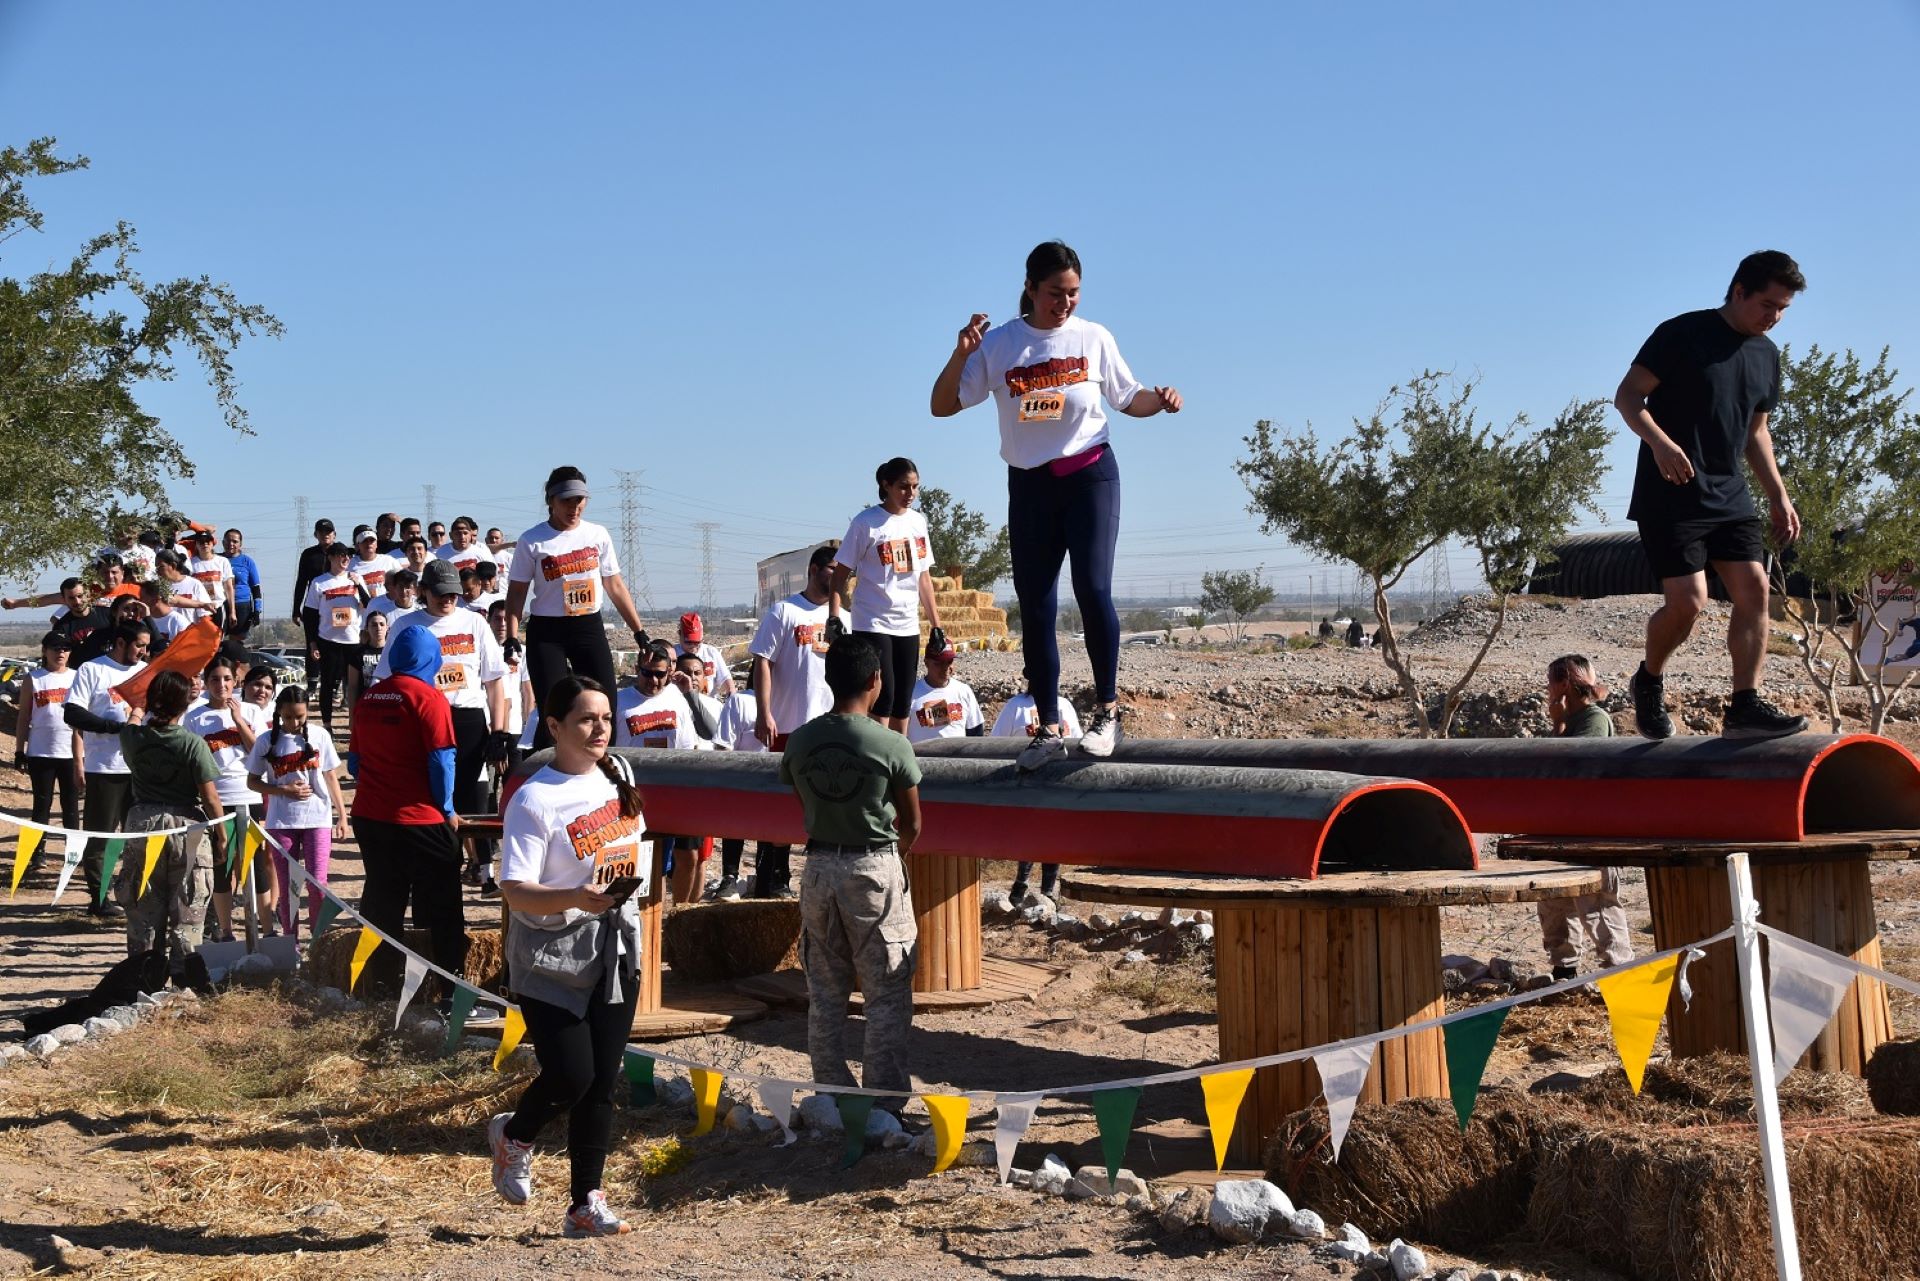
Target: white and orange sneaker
<point>595,1218</point>
<point>512,1162</point>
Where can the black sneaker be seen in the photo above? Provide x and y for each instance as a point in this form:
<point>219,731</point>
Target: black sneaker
<point>1650,705</point>
<point>1755,717</point>
<point>1561,973</point>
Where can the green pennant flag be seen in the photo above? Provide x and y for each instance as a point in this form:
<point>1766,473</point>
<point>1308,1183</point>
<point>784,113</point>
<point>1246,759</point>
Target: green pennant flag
<point>854,1111</point>
<point>1469,1043</point>
<point>640,1081</point>
<point>1113,1110</point>
<point>329,910</point>
<point>109,860</point>
<point>463,999</point>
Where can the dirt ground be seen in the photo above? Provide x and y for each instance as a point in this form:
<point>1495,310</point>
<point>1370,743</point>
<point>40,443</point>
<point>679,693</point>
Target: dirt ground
<point>337,1150</point>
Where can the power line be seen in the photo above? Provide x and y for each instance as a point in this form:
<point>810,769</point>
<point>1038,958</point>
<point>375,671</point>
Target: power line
<point>631,563</point>
<point>706,528</point>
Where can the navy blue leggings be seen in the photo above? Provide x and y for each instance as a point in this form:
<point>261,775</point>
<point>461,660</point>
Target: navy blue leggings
<point>1050,519</point>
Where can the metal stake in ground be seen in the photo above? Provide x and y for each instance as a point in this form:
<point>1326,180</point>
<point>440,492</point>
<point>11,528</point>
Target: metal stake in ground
<point>1766,1098</point>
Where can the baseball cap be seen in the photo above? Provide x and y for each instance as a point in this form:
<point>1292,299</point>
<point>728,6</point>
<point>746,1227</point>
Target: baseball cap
<point>56,640</point>
<point>943,649</point>
<point>690,628</point>
<point>440,578</point>
<point>198,533</point>
<point>323,526</point>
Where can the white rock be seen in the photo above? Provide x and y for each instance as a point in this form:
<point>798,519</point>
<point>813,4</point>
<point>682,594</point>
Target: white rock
<point>1133,956</point>
<point>69,1034</point>
<point>1203,918</point>
<point>740,1117</point>
<point>1376,1261</point>
<point>1242,1207</point>
<point>1203,932</point>
<point>1037,914</point>
<point>1053,1176</point>
<point>1129,1184</point>
<point>12,1050</point>
<point>1408,1261</point>
<point>881,1124</point>
<point>996,903</point>
<point>1352,1246</point>
<point>147,999</point>
<point>125,1015</point>
<point>1089,1182</point>
<point>254,965</point>
<point>817,1112</point>
<point>673,1091</point>
<point>1171,916</point>
<point>1099,921</point>
<point>1065,918</point>
<point>1019,1178</point>
<point>186,994</point>
<point>101,1027</point>
<point>1304,1224</point>
<point>42,1046</point>
<point>1129,916</point>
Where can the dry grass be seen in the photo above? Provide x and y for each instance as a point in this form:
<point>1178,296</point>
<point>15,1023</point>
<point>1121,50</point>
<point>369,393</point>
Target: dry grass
<point>1182,985</point>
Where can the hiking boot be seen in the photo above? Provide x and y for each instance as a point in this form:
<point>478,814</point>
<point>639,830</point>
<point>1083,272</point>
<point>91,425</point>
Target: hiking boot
<point>1044,746</point>
<point>1561,973</point>
<point>1103,733</point>
<point>1650,705</point>
<point>727,891</point>
<point>595,1219</point>
<point>1018,894</point>
<point>489,888</point>
<point>512,1162</point>
<point>1751,716</point>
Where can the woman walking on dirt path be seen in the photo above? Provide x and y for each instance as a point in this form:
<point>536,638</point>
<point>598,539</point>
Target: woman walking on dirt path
<point>571,869</point>
<point>1047,373</point>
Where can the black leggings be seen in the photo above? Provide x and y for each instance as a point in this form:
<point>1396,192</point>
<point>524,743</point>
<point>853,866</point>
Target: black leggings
<point>1050,518</point>
<point>334,661</point>
<point>557,647</point>
<point>47,772</point>
<point>899,659</point>
<point>580,1064</point>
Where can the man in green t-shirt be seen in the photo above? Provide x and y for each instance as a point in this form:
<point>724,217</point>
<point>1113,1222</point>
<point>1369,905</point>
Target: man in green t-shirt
<point>859,786</point>
<point>1576,705</point>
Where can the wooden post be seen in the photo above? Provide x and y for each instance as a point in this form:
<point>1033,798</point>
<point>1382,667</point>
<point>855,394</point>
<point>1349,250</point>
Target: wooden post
<point>946,906</point>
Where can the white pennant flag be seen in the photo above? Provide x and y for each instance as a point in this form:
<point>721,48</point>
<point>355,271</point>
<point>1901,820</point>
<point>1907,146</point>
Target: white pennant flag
<point>777,1098</point>
<point>1343,1074</point>
<point>416,975</point>
<point>76,851</point>
<point>1680,982</point>
<point>1804,991</point>
<point>1013,1114</point>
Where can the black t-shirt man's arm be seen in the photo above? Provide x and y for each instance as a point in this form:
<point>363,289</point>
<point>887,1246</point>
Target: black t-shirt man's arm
<point>1631,400</point>
<point>1781,513</point>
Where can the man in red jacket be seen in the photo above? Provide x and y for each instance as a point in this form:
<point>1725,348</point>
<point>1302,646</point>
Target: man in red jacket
<point>403,815</point>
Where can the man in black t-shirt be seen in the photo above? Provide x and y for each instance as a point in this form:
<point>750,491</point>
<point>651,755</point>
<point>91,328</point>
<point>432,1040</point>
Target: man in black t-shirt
<point>1698,395</point>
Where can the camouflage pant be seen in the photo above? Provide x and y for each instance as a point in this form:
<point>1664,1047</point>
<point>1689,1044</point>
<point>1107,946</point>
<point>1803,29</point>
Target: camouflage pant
<point>857,924</point>
<point>178,892</point>
<point>1602,917</point>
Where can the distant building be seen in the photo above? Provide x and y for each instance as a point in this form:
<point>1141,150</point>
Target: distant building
<point>782,575</point>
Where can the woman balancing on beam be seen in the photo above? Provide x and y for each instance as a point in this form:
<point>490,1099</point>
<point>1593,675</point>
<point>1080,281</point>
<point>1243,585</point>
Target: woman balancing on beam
<point>571,870</point>
<point>564,569</point>
<point>1047,373</point>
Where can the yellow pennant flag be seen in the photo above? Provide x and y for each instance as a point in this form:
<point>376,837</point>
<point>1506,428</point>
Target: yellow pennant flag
<point>516,1027</point>
<point>1223,1092</point>
<point>949,1113</point>
<point>1636,1000</point>
<point>363,947</point>
<point>23,855</point>
<point>250,847</point>
<point>155,844</point>
<point>706,1098</point>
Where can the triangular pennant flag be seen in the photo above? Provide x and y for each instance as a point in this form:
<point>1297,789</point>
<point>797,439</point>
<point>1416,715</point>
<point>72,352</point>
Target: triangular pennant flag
<point>252,843</point>
<point>416,975</point>
<point>363,948</point>
<point>706,1098</point>
<point>854,1111</point>
<point>329,910</point>
<point>777,1098</point>
<point>1804,992</point>
<point>245,863</point>
<point>1636,1000</point>
<point>1223,1092</point>
<point>109,860</point>
<point>639,1074</point>
<point>1343,1074</point>
<point>23,855</point>
<point>155,843</point>
<point>1469,1042</point>
<point>463,999</point>
<point>510,1034</point>
<point>1113,1110</point>
<point>76,853</point>
<point>234,839</point>
<point>1012,1115</point>
<point>949,1113</point>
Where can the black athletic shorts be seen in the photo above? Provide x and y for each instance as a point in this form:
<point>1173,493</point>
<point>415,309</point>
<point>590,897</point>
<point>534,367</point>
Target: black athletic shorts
<point>898,656</point>
<point>1683,549</point>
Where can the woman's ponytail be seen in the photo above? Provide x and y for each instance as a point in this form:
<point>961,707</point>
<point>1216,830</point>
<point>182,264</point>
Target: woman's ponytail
<point>629,794</point>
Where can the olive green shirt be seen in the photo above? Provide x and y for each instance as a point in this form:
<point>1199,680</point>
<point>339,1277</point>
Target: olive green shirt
<point>846,769</point>
<point>169,763</point>
<point>1590,721</point>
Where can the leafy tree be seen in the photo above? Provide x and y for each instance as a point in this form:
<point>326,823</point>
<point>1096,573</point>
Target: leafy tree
<point>1197,620</point>
<point>1144,620</point>
<point>1235,594</point>
<point>1422,469</point>
<point>961,536</point>
<point>76,343</point>
<point>1849,451</point>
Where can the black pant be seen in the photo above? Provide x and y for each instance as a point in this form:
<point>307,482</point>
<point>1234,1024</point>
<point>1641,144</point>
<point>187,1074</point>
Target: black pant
<point>580,1064</point>
<point>1049,877</point>
<point>420,864</point>
<point>108,796</point>
<point>557,647</point>
<point>899,656</point>
<point>47,772</point>
<point>334,660</point>
<point>772,869</point>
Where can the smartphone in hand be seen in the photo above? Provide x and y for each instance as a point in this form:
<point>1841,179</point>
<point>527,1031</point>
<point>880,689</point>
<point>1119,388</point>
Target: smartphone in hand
<point>620,888</point>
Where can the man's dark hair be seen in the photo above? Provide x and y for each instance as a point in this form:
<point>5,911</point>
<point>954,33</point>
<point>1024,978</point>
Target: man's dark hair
<point>822,555</point>
<point>699,667</point>
<point>402,578</point>
<point>243,537</point>
<point>130,633</point>
<point>658,652</point>
<point>69,583</point>
<point>411,539</point>
<point>1768,267</point>
<point>410,520</point>
<point>168,696</point>
<point>852,663</point>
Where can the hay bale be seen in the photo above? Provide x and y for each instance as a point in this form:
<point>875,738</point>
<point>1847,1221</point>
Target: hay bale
<point>331,961</point>
<point>712,942</point>
<point>1893,1078</point>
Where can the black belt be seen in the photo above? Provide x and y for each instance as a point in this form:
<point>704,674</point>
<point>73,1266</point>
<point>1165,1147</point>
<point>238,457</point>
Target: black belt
<point>829,847</point>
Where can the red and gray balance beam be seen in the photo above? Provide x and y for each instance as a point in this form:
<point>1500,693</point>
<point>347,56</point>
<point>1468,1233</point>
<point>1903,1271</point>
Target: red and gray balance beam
<point>1698,788</point>
<point>1247,822</point>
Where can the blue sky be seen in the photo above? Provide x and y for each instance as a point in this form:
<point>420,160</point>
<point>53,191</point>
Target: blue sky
<point>730,245</point>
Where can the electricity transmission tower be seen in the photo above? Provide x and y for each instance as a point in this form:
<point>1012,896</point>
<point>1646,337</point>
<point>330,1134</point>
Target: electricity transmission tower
<point>632,566</point>
<point>426,502</point>
<point>300,525</point>
<point>706,528</point>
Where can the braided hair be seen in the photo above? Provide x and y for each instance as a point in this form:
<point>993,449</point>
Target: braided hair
<point>560,699</point>
<point>288,696</point>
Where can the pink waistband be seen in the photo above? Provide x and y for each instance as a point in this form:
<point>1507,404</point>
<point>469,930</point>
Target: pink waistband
<point>1068,466</point>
